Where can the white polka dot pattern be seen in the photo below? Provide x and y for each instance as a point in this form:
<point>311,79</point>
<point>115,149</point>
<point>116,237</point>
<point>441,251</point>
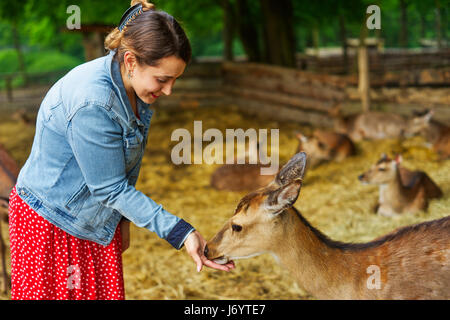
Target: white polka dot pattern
<point>49,264</point>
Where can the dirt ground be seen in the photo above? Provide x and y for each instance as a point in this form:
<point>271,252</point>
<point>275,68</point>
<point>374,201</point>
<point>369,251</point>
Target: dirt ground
<point>332,199</point>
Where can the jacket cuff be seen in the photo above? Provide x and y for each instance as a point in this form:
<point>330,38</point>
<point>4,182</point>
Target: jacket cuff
<point>179,233</point>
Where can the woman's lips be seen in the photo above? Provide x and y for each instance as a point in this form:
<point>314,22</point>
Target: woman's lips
<point>154,96</point>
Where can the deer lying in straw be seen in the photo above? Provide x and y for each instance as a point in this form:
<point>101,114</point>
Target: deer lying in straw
<point>410,263</point>
<point>3,218</point>
<point>401,190</point>
<point>436,133</point>
<point>325,146</point>
<point>241,175</point>
<point>374,125</point>
<point>8,175</point>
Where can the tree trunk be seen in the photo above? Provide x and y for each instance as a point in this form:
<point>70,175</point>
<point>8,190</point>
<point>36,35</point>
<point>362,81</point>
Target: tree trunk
<point>403,24</point>
<point>20,58</point>
<point>247,31</point>
<point>316,40</point>
<point>422,25</point>
<point>343,36</point>
<point>437,13</point>
<point>278,30</point>
<point>228,30</point>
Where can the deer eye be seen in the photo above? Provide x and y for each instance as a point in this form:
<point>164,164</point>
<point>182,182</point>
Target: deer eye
<point>236,227</point>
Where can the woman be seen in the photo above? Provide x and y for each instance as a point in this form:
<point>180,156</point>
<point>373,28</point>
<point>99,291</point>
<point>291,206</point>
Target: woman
<point>75,195</point>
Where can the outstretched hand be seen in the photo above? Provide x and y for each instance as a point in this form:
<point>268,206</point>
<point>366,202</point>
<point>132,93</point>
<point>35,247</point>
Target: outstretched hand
<point>195,247</point>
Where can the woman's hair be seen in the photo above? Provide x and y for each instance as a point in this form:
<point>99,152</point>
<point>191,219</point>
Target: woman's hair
<point>151,36</point>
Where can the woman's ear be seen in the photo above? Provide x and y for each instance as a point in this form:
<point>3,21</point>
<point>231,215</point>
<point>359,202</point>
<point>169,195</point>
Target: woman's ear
<point>129,60</point>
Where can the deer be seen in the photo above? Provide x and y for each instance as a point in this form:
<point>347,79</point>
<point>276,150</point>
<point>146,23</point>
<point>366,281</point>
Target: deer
<point>22,117</point>
<point>4,218</point>
<point>325,146</point>
<point>401,190</point>
<point>412,262</point>
<point>374,125</point>
<point>241,177</point>
<point>436,133</point>
<point>9,170</point>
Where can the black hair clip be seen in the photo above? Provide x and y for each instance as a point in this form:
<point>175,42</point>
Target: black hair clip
<point>130,14</point>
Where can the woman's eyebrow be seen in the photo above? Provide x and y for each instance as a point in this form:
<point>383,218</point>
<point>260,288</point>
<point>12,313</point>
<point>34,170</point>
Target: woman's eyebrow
<point>167,77</point>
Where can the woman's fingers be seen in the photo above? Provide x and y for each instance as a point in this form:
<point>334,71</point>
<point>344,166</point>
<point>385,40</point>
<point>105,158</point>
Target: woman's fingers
<point>212,264</point>
<point>195,246</point>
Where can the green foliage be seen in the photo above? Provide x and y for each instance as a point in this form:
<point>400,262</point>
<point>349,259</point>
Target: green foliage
<point>8,61</point>
<point>41,25</point>
<point>50,61</point>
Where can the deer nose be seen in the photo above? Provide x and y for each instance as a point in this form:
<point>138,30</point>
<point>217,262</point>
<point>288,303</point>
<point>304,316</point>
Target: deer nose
<point>206,251</point>
<point>360,177</point>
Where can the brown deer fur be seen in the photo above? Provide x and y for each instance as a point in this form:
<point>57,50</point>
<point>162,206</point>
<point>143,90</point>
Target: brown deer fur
<point>326,146</point>
<point>410,263</point>
<point>401,190</point>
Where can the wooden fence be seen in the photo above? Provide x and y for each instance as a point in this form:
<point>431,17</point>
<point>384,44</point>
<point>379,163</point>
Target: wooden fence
<point>283,93</point>
<point>287,93</point>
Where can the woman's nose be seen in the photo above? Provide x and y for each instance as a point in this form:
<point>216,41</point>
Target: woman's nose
<point>167,89</point>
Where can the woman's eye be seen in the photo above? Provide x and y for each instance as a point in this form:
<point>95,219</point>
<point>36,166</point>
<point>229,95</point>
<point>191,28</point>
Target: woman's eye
<point>236,227</point>
<point>381,169</point>
<point>162,80</point>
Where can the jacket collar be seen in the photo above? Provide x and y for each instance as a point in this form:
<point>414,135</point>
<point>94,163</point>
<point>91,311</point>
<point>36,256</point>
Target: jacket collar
<point>116,77</point>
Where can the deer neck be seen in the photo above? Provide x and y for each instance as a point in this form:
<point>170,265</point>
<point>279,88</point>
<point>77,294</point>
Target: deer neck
<point>395,191</point>
<point>321,269</point>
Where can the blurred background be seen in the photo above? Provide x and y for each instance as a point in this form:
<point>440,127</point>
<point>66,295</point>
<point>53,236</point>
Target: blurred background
<point>284,64</point>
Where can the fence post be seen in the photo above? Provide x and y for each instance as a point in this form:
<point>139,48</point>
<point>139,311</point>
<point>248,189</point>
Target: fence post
<point>363,73</point>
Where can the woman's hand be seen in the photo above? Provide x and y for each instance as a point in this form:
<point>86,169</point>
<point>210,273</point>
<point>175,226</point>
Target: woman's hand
<point>125,232</point>
<point>195,246</point>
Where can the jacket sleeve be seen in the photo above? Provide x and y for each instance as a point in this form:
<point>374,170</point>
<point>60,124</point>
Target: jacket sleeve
<point>97,143</point>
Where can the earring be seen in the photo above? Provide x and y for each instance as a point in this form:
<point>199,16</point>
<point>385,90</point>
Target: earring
<point>130,75</point>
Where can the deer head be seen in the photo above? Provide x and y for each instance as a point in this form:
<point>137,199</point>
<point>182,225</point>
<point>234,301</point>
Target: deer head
<point>258,216</point>
<point>381,172</point>
<point>419,122</point>
<point>314,148</point>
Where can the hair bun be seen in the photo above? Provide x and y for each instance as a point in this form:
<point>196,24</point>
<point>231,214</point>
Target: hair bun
<point>145,5</point>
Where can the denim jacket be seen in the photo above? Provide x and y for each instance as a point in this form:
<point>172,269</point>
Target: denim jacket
<point>86,157</point>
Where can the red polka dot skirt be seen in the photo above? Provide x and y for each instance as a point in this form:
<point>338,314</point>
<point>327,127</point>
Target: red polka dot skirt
<point>49,264</point>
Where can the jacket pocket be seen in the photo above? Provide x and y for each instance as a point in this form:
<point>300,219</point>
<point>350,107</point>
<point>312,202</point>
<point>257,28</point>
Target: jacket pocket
<point>76,201</point>
<point>133,148</point>
<point>100,217</point>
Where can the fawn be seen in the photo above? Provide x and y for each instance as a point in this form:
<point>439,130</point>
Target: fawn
<point>374,125</point>
<point>401,190</point>
<point>8,175</point>
<point>325,146</point>
<point>3,218</point>
<point>436,133</point>
<point>410,263</point>
<point>241,177</point>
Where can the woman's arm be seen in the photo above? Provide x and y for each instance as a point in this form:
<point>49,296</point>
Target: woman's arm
<point>97,143</point>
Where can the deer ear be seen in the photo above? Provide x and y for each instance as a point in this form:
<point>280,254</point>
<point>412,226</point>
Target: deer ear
<point>292,170</point>
<point>429,115</point>
<point>284,197</point>
<point>301,137</point>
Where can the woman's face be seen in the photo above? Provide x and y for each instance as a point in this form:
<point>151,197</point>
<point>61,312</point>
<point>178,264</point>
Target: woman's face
<point>150,82</point>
